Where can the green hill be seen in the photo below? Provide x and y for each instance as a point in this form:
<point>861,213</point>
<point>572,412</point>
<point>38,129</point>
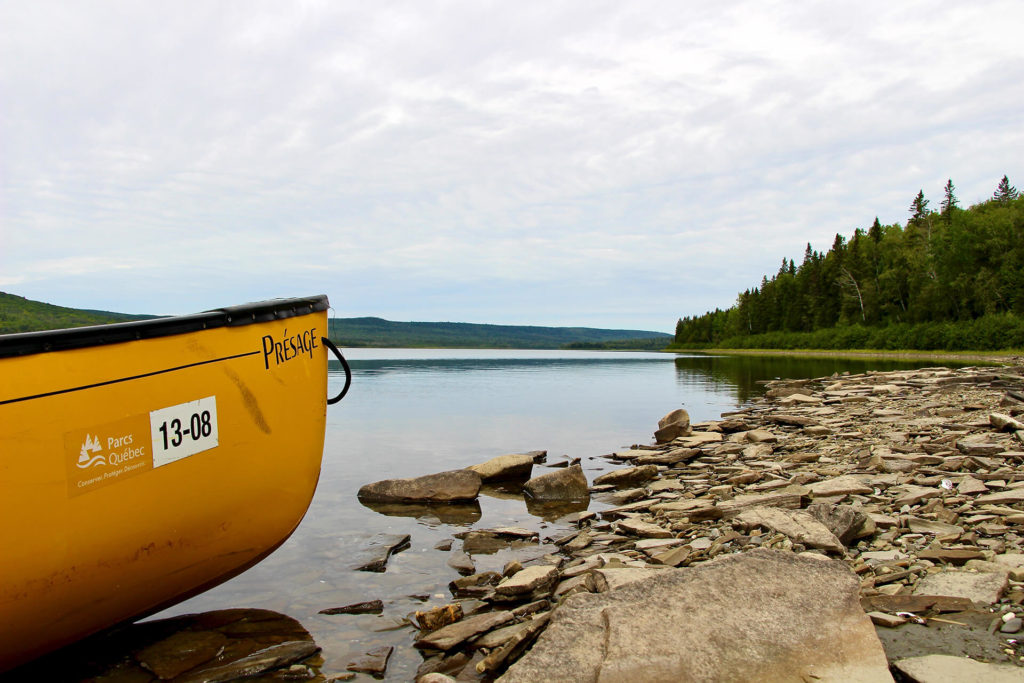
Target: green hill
<point>380,333</point>
<point>18,314</point>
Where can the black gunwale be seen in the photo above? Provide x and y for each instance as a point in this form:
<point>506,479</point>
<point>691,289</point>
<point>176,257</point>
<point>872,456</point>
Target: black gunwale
<point>46,341</point>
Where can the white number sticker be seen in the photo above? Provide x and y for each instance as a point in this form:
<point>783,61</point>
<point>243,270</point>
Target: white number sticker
<point>183,430</point>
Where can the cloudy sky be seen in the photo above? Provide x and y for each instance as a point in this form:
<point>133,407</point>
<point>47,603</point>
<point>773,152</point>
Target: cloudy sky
<point>607,164</point>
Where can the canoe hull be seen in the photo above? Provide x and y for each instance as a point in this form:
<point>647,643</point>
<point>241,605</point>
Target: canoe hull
<point>138,473</point>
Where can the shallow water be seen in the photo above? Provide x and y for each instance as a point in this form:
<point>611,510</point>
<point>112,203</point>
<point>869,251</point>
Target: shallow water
<point>413,412</point>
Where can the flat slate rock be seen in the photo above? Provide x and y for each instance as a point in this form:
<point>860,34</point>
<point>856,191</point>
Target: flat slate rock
<point>448,637</point>
<point>505,467</point>
<point>983,588</point>
<point>452,486</point>
<point>368,607</point>
<point>950,669</point>
<point>799,619</point>
<point>374,662</point>
<point>917,604</point>
<point>799,526</point>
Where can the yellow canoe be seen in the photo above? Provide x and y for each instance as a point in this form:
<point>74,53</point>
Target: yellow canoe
<point>144,462</point>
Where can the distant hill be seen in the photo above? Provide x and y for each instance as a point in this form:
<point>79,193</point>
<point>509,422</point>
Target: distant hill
<point>18,314</point>
<point>387,333</point>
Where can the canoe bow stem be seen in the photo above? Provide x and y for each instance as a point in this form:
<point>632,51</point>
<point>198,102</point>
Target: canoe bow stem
<point>344,364</point>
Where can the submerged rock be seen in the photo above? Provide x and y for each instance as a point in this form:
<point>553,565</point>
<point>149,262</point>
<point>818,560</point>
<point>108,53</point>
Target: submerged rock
<point>375,557</point>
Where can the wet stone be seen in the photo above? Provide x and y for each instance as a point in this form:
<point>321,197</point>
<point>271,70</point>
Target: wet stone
<point>452,635</point>
<point>368,607</point>
<point>374,662</point>
<point>528,580</point>
<point>375,557</point>
<point>462,563</point>
<point>438,617</point>
<point>267,659</point>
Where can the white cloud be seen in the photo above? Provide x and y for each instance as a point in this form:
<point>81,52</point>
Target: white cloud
<point>416,155</point>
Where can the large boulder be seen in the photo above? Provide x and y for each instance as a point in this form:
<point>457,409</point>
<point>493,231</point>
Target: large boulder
<point>563,484</point>
<point>762,615</point>
<point>672,426</point>
<point>443,487</point>
<point>505,467</point>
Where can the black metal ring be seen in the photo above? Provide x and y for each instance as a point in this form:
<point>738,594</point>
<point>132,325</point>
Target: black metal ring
<point>344,364</point>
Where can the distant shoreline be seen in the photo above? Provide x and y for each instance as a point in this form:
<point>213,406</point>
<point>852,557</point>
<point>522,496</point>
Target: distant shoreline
<point>1008,357</point>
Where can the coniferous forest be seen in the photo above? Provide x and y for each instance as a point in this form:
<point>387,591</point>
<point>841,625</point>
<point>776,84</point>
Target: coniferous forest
<point>951,278</point>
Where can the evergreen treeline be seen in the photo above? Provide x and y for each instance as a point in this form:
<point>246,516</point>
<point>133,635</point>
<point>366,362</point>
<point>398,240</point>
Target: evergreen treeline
<point>949,279</point>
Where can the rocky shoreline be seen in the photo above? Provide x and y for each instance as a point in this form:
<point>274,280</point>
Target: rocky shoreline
<point>853,527</point>
<point>910,482</point>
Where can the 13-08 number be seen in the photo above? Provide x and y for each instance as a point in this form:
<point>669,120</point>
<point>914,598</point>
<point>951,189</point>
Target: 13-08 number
<point>199,425</point>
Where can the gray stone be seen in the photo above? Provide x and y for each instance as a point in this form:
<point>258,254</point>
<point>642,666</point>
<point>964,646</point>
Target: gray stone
<point>969,486</point>
<point>672,457</point>
<point>435,677</point>
<point>674,557</point>
<point>462,563</point>
<point>374,558</point>
<point>983,588</point>
<point>1005,423</point>
<point>514,647</point>
<point>1011,625</point>
<point>505,467</point>
<point>487,541</point>
<point>761,436</point>
<point>1013,562</point>
<point>839,486</point>
<point>584,583</point>
<point>563,484</point>
<point>374,662</point>
<point>970,446</point>
<point>951,669</point>
<point>443,487</point>
<point>911,494</point>
<point>448,637</point>
<point>698,439</point>
<point>845,521</point>
<point>526,581</point>
<point>1007,497</point>
<point>627,477</point>
<point>367,607</point>
<point>267,659</point>
<point>673,426</point>
<point>636,527</point>
<point>181,651</point>
<point>919,525</point>
<point>798,525</point>
<point>606,579</point>
<point>799,619</point>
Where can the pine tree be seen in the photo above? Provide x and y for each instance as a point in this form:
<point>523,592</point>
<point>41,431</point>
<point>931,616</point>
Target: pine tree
<point>949,201</point>
<point>875,231</point>
<point>1005,192</point>
<point>919,207</point>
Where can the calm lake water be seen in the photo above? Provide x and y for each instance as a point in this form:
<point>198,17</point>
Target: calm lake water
<point>413,412</point>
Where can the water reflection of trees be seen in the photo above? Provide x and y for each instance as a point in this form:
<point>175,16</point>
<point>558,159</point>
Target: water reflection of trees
<point>741,373</point>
